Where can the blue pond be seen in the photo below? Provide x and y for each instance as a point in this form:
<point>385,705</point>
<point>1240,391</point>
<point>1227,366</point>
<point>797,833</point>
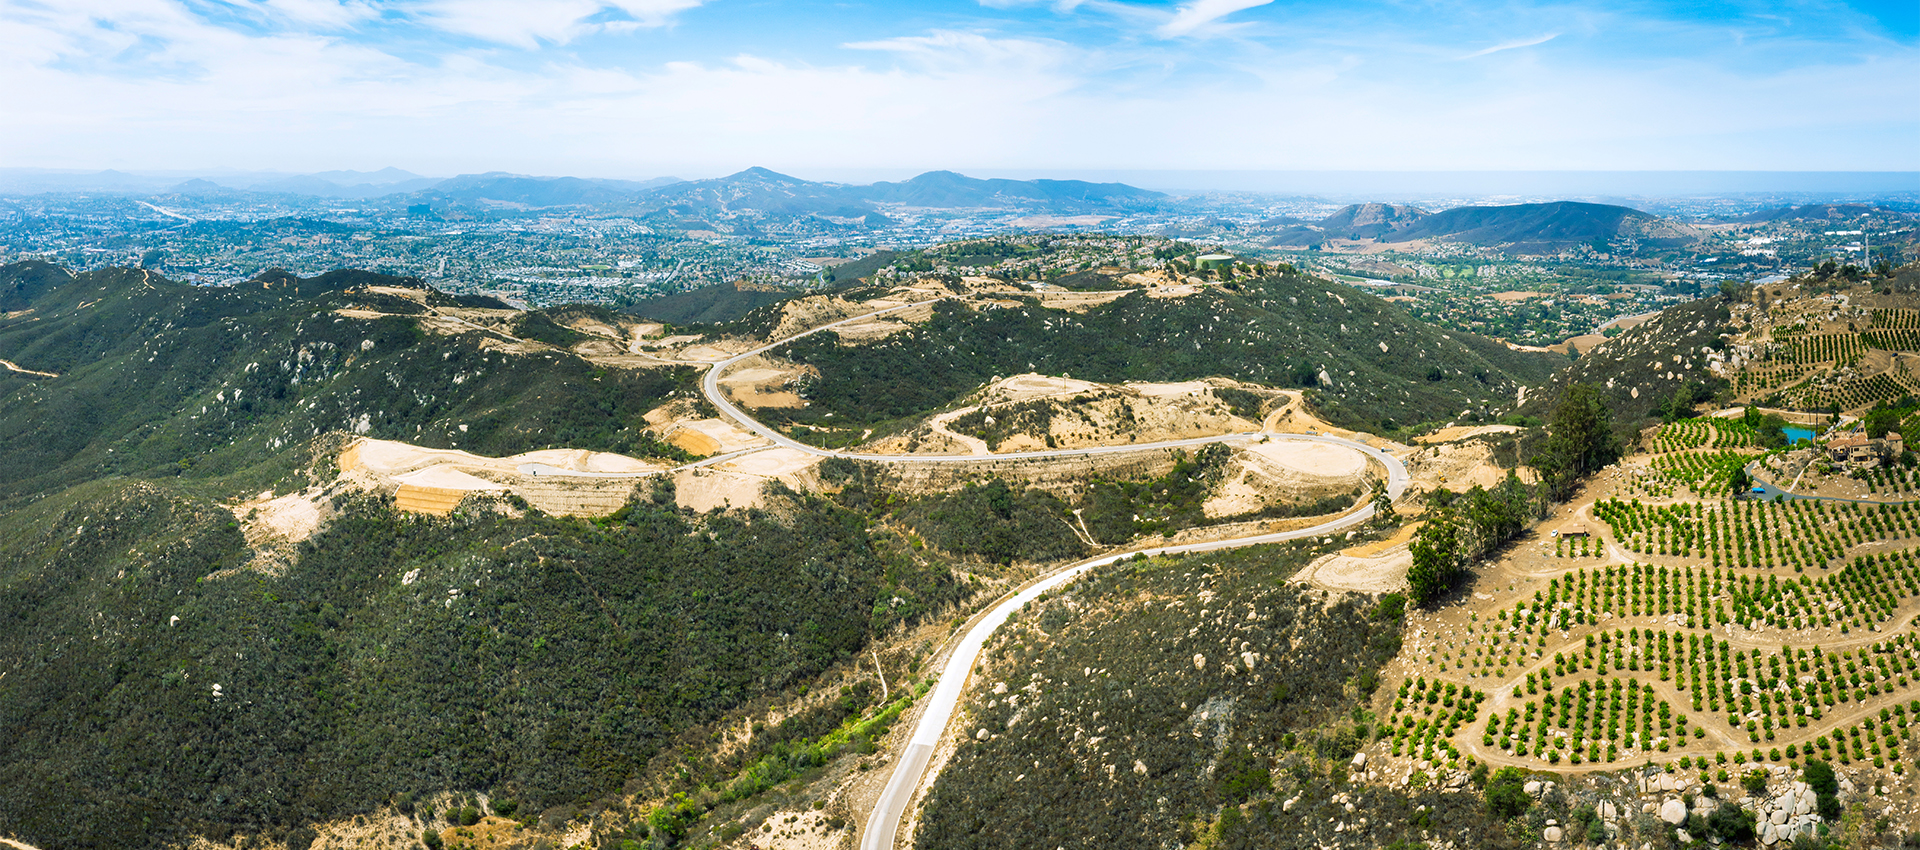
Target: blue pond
<point>1796,435</point>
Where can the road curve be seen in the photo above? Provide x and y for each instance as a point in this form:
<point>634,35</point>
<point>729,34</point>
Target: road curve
<point>911,766</point>
<point>908,769</point>
<point>710,386</point>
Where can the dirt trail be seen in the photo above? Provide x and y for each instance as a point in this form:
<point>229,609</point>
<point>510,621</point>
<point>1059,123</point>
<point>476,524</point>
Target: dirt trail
<point>15,367</point>
<point>938,425</point>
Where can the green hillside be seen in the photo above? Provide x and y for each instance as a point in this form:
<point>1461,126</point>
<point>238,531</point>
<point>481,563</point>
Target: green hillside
<point>1157,721</point>
<point>717,304</point>
<point>555,662</point>
<point>1369,365</point>
<point>160,379</point>
<point>1641,369</point>
<point>1557,222</point>
<point>548,661</point>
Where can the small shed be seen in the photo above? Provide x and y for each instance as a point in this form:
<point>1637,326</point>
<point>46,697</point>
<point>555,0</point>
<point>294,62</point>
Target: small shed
<point>1574,531</point>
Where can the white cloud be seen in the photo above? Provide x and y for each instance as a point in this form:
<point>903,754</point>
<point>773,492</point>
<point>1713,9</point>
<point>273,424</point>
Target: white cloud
<point>521,23</point>
<point>949,52</point>
<point>654,13</point>
<point>323,13</point>
<point>1511,45</point>
<point>1195,14</point>
<point>148,84</point>
<point>527,23</point>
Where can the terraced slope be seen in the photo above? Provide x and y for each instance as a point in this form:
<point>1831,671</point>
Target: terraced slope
<point>1367,364</point>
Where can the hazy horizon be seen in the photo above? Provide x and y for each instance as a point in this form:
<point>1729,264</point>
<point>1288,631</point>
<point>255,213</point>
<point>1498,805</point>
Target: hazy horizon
<point>698,88</point>
<point>1329,183</point>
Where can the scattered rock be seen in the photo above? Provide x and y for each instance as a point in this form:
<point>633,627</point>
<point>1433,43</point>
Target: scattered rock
<point>1552,835</point>
<point>1674,812</point>
<point>1359,760</point>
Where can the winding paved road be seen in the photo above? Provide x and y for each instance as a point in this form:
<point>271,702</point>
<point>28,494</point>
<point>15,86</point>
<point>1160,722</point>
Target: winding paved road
<point>911,766</point>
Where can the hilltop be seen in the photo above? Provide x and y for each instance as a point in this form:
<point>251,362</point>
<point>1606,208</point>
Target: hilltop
<point>310,561</point>
<point>219,628</point>
<point>1364,362</point>
<point>1520,228</point>
<point>760,193</point>
<point>1837,341</point>
<point>154,375</point>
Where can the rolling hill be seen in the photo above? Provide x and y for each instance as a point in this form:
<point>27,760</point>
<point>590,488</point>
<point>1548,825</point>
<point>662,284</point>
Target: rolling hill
<point>1781,345</point>
<point>1367,364</point>
<point>707,305</point>
<point>758,192</point>
<point>948,189</point>
<point>157,377</point>
<point>1365,221</point>
<point>165,680</point>
<point>1561,221</point>
<point>1525,228</point>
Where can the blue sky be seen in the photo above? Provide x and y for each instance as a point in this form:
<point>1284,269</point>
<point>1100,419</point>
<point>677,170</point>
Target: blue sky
<point>866,90</point>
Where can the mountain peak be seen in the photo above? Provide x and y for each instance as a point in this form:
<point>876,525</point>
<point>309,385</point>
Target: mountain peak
<point>764,174</point>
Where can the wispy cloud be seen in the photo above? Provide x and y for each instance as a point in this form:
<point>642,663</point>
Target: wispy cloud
<point>1195,14</point>
<point>640,87</point>
<point>527,23</point>
<point>952,52</point>
<point>1513,45</point>
<point>330,14</point>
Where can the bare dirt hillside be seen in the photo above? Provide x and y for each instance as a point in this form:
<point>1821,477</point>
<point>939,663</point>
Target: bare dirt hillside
<point>1033,411</point>
<point>563,482</point>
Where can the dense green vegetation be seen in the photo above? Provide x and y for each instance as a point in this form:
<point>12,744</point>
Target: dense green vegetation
<point>547,659</point>
<point>1463,529</point>
<point>155,687</point>
<point>1368,364</point>
<point>158,379</point>
<point>717,304</point>
<point>996,522</point>
<point>1580,440</point>
<point>1001,523</point>
<point>1638,373</point>
<point>1156,716</point>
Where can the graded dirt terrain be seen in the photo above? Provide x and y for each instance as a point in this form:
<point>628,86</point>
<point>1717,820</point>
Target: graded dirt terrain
<point>741,482</point>
<point>1033,412</point>
<point>704,437</point>
<point>1285,470</point>
<point>761,382</point>
<point>273,526</point>
<point>564,482</point>
<point>1461,432</point>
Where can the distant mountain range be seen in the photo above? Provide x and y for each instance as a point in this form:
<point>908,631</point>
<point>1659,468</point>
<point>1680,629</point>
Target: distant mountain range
<point>1526,226</point>
<point>330,184</point>
<point>765,192</point>
<point>754,191</point>
<point>1811,212</point>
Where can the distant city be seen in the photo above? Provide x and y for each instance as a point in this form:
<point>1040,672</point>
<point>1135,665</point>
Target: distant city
<point>544,240</point>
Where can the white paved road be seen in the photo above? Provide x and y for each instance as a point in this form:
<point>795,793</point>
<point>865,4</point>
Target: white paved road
<point>911,766</point>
